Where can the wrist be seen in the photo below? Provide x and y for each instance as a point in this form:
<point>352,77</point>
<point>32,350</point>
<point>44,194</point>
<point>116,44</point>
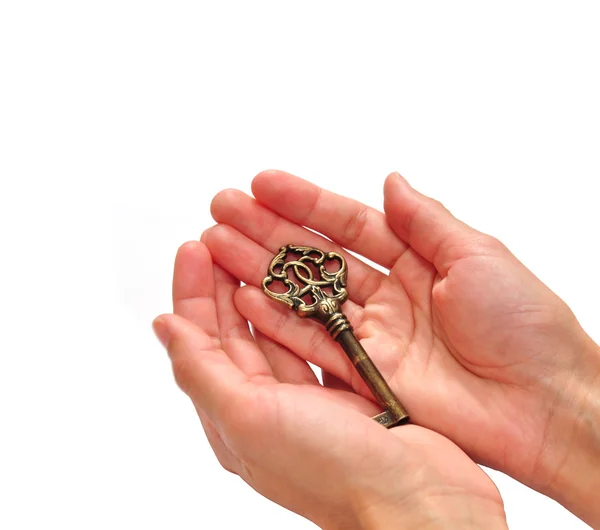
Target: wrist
<point>570,460</point>
<point>432,510</point>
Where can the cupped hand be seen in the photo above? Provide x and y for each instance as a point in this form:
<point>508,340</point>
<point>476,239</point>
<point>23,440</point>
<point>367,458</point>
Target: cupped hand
<point>312,449</point>
<point>475,346</point>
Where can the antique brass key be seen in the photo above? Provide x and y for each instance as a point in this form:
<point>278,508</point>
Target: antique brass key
<point>318,293</point>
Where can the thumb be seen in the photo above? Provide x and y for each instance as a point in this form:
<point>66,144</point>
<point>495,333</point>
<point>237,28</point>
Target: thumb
<point>202,370</point>
<point>428,227</point>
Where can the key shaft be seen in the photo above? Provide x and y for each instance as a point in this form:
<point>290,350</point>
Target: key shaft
<point>394,413</point>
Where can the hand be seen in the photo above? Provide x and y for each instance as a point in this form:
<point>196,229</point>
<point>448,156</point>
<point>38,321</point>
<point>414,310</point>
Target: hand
<point>475,346</point>
<point>312,449</point>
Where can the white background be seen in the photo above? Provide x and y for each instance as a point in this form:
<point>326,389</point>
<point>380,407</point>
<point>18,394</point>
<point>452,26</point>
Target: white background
<point>119,120</point>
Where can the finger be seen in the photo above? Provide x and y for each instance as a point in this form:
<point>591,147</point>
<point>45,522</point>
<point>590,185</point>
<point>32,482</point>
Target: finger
<point>201,370</point>
<point>427,226</point>
<point>193,299</point>
<point>245,259</point>
<point>349,223</point>
<point>234,208</point>
<point>236,339</point>
<point>238,255</point>
<point>308,339</point>
<point>287,366</point>
<point>194,288</point>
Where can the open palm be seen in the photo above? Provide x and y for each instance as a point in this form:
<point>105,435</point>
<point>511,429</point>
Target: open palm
<point>468,338</point>
<point>310,448</point>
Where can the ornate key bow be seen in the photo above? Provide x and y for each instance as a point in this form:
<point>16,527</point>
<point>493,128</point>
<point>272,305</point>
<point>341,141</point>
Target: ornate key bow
<point>318,293</point>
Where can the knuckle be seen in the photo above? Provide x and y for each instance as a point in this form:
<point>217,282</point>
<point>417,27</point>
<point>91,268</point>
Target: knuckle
<point>370,284</point>
<point>313,207</point>
<point>481,244</point>
<point>437,204</point>
<point>492,243</point>
<point>315,343</point>
<point>277,333</point>
<point>409,219</point>
<point>228,467</point>
<point>226,463</point>
<point>182,374</point>
<point>356,225</point>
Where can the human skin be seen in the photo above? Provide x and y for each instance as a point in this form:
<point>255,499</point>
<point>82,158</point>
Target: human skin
<point>312,449</point>
<point>475,346</point>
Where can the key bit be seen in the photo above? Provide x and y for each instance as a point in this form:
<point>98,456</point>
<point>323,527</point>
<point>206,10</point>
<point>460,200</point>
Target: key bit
<point>318,293</point>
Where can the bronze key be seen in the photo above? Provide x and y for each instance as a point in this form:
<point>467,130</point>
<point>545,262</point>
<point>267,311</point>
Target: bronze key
<point>320,296</point>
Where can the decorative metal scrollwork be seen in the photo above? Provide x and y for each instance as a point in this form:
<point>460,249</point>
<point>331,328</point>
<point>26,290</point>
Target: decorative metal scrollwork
<point>322,305</point>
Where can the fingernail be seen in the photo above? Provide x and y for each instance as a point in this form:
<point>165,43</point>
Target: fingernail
<point>401,178</point>
<point>162,331</point>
